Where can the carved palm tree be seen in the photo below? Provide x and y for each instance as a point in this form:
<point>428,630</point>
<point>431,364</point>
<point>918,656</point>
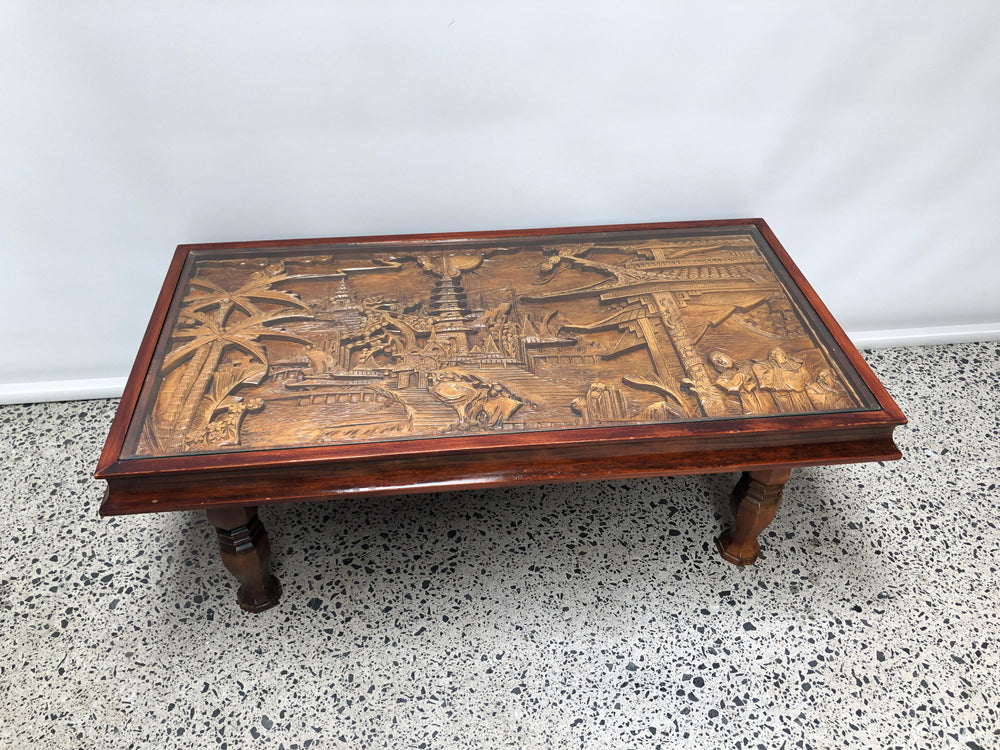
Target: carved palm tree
<point>209,337</point>
<point>219,398</point>
<point>260,288</point>
<point>208,325</point>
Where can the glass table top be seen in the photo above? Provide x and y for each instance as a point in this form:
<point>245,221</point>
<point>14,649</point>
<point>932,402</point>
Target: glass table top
<point>327,344</point>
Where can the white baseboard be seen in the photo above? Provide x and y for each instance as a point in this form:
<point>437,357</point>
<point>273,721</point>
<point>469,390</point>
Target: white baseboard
<point>79,390</point>
<point>61,390</point>
<point>926,336</point>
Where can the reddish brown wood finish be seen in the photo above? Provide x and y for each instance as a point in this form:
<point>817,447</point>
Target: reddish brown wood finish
<point>755,502</point>
<point>299,481</point>
<point>246,553</point>
<point>235,482</point>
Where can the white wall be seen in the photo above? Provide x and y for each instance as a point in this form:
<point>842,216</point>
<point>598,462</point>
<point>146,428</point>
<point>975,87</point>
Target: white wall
<point>865,132</point>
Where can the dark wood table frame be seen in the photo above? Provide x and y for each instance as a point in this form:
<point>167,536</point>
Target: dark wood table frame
<point>229,484</point>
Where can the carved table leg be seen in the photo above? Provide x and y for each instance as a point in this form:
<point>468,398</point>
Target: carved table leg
<point>755,500</point>
<point>246,553</point>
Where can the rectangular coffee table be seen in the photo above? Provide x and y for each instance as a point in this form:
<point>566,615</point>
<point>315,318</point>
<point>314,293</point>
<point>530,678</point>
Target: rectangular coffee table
<point>287,371</point>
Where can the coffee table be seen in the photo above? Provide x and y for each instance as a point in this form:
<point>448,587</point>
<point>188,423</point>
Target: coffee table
<point>287,371</point>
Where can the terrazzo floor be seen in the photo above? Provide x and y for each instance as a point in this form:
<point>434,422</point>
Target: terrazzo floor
<point>571,616</point>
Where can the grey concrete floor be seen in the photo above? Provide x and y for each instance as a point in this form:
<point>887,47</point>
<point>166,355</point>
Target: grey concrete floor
<point>577,616</point>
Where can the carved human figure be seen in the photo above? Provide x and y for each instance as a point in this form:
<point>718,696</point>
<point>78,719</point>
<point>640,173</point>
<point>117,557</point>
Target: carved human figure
<point>785,379</point>
<point>603,403</point>
<point>827,393</point>
<point>738,380</point>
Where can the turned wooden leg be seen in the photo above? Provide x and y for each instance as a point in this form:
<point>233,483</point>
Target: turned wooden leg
<point>755,500</point>
<point>246,553</point>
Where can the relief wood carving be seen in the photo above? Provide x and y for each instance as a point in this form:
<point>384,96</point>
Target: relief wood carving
<point>289,346</point>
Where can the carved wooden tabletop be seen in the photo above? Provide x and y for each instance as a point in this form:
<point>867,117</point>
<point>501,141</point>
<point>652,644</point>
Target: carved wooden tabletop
<point>279,371</point>
<point>298,347</point>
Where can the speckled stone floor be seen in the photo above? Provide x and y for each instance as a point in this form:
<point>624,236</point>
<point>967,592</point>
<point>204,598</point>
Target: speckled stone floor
<point>572,616</point>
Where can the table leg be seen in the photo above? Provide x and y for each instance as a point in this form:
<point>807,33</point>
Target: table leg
<point>246,553</point>
<point>755,500</point>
